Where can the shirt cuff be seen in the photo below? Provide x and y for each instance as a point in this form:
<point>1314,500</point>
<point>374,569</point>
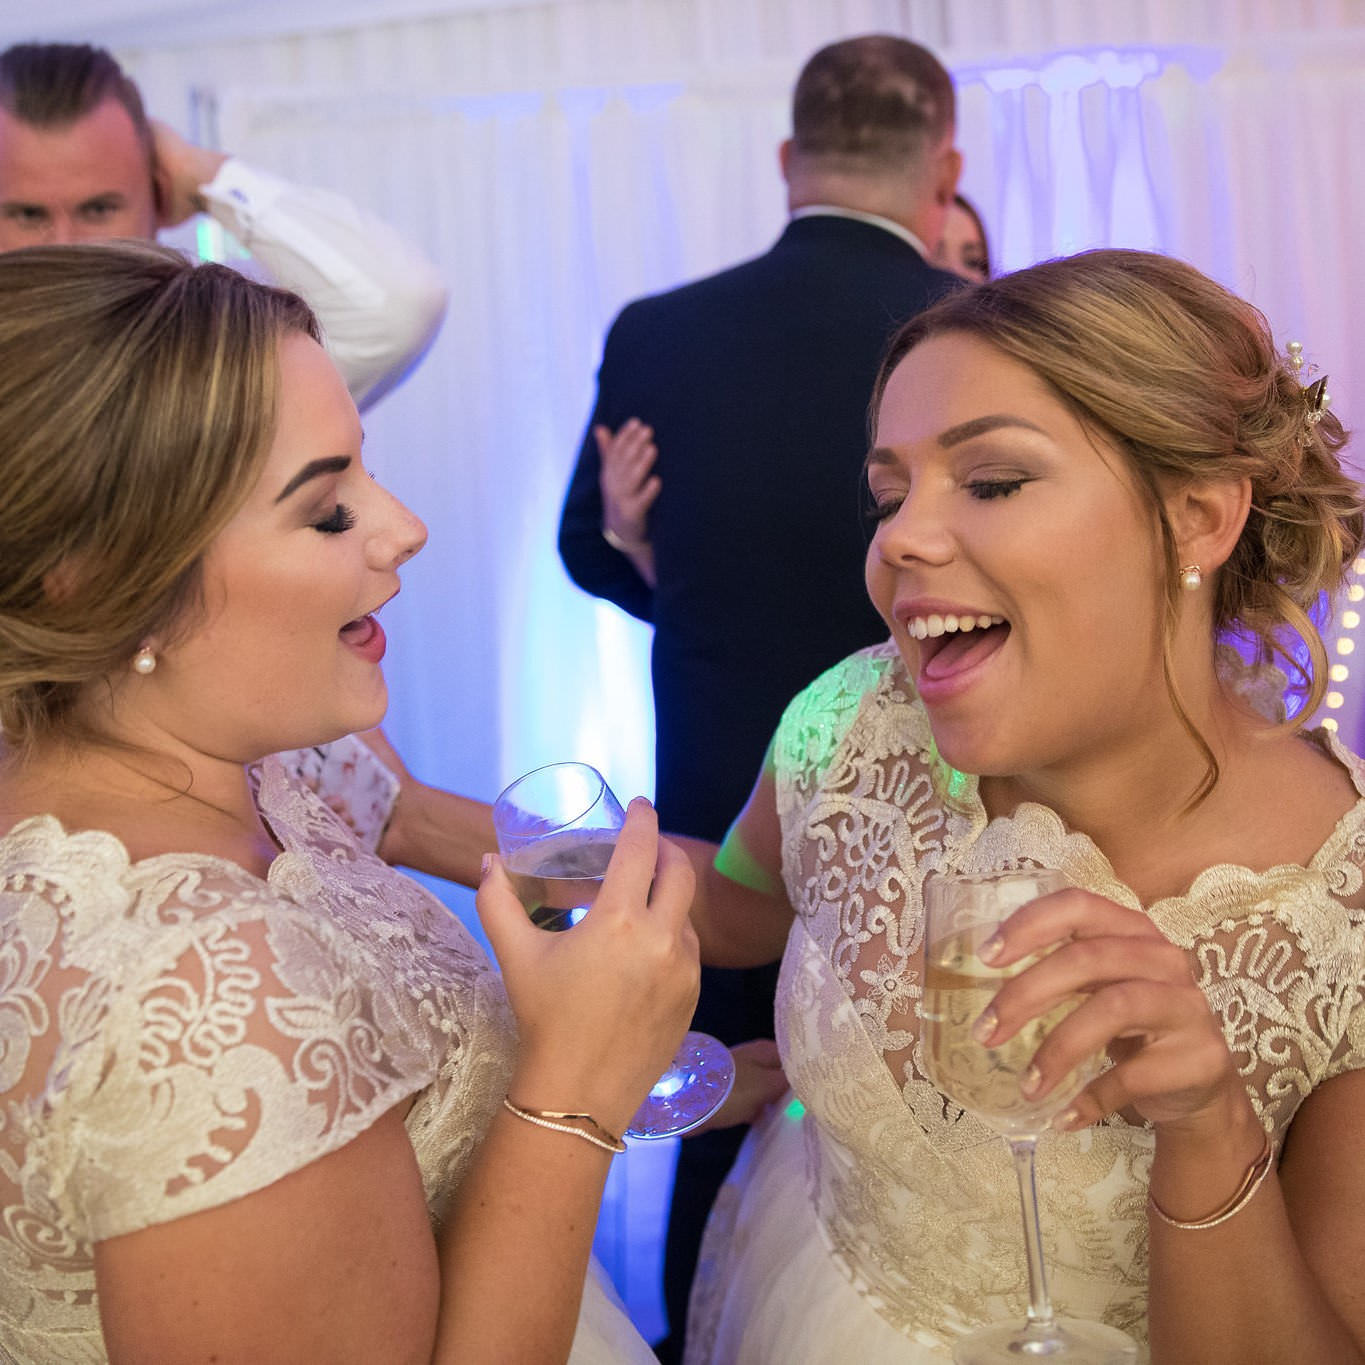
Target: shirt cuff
<point>239,194</point>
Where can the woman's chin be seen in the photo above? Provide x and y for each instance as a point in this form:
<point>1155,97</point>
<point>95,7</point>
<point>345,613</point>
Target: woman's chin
<point>967,754</point>
<point>355,721</point>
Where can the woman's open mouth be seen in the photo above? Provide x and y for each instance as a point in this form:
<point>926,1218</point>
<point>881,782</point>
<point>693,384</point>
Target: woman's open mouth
<point>366,636</point>
<point>950,645</point>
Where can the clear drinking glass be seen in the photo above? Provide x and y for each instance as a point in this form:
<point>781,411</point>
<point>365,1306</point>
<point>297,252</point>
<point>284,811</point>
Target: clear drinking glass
<point>556,829</point>
<point>961,913</point>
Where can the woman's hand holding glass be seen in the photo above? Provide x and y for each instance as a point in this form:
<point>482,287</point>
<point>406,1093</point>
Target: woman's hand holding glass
<point>1138,1001</point>
<point>601,1010</point>
<point>989,1069</point>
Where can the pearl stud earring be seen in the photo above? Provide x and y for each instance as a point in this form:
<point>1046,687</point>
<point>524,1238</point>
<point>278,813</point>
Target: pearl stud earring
<point>144,661</point>
<point>1191,577</point>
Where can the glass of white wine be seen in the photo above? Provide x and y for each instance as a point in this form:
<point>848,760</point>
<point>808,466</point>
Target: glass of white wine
<point>961,913</point>
<point>557,827</point>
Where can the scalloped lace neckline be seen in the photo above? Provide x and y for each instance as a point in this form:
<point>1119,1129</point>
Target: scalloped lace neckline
<point>962,791</point>
<point>110,849</point>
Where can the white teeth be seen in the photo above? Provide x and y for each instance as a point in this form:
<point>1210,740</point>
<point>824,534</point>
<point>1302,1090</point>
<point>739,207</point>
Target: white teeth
<point>932,626</point>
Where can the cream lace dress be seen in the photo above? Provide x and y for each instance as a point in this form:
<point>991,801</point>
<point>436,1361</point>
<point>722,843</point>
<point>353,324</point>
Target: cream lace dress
<point>177,1033</point>
<point>881,1222</point>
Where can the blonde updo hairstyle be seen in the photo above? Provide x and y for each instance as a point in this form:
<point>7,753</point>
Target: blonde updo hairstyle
<point>137,399</point>
<point>1185,379</point>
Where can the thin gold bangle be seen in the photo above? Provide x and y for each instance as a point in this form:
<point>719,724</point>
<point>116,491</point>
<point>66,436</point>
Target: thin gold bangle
<point>559,1122</point>
<point>1251,1182</point>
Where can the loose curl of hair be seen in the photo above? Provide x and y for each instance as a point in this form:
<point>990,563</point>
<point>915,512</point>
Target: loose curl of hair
<point>1185,380</point>
<point>137,400</point>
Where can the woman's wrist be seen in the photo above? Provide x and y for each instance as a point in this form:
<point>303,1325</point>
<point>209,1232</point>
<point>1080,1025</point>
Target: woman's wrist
<point>1201,1165</point>
<point>573,1089</point>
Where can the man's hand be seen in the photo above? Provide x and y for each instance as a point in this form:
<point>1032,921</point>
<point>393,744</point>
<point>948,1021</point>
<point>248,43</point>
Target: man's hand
<point>179,171</point>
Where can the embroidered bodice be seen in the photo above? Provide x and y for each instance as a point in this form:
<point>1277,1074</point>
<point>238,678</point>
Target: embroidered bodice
<point>176,1032</point>
<point>915,1196</point>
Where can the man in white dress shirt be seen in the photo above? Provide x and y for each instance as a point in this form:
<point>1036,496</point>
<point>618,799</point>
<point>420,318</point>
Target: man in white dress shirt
<point>80,161</point>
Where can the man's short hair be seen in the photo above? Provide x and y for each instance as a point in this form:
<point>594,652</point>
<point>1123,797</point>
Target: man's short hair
<point>871,104</point>
<point>52,85</point>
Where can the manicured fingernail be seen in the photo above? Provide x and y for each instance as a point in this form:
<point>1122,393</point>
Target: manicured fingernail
<point>991,949</point>
<point>985,1026</point>
<point>484,864</point>
<point>1030,1082</point>
<point>1066,1120</point>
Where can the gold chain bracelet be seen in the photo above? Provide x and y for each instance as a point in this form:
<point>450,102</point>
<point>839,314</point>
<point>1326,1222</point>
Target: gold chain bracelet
<point>1251,1182</point>
<point>565,1123</point>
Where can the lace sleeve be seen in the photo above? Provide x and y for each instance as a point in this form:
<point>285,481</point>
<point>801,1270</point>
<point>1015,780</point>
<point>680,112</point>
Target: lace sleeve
<point>1349,1053</point>
<point>190,1037</point>
<point>1280,960</point>
<point>352,780</point>
<point>817,720</point>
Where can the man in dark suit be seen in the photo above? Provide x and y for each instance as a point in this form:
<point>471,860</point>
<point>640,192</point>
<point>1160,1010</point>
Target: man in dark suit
<point>733,521</point>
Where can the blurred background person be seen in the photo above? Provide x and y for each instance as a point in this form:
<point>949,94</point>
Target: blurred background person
<point>80,161</point>
<point>963,248</point>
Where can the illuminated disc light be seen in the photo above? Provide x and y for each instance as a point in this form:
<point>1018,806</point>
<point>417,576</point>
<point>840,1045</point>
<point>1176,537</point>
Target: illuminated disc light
<point>1350,619</point>
<point>1359,566</point>
<point>1338,672</point>
<point>1355,592</point>
<point>1329,723</point>
<point>1335,699</point>
<point>1346,646</point>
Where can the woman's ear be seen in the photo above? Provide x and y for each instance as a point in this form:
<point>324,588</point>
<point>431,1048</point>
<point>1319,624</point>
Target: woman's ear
<point>1206,519</point>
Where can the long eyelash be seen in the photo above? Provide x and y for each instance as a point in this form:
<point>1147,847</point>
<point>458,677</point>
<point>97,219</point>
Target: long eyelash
<point>342,519</point>
<point>987,489</point>
<point>878,512</point>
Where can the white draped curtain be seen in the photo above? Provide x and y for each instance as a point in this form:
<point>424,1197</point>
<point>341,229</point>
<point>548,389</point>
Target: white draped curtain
<point>560,158</point>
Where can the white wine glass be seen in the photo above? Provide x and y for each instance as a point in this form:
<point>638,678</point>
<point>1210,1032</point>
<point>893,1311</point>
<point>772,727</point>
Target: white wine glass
<point>961,913</point>
<point>557,827</point>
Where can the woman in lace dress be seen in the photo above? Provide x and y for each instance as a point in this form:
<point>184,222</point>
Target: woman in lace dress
<point>252,1078</point>
<point>1086,477</point>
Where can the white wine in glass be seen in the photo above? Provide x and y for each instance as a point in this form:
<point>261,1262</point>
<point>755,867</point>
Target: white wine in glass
<point>557,877</point>
<point>556,828</point>
<point>961,913</point>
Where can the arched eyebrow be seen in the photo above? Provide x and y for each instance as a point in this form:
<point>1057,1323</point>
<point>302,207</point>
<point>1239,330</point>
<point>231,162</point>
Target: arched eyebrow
<point>979,426</point>
<point>314,469</point>
<point>955,436</point>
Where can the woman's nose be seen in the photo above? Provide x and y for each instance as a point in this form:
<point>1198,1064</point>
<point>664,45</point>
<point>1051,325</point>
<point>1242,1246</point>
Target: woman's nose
<point>917,531</point>
<point>400,536</point>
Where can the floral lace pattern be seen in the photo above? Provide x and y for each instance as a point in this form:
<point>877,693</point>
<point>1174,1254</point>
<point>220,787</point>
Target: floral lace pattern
<point>176,1033</point>
<point>914,1195</point>
<point>352,781</point>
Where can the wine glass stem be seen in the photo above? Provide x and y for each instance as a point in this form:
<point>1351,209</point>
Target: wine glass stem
<point>1039,1303</point>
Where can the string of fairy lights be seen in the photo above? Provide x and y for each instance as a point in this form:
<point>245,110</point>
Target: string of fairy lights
<point>1343,647</point>
<point>1316,402</point>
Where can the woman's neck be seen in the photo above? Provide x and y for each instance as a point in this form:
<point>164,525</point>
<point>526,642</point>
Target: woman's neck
<point>1135,798</point>
<point>156,800</point>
